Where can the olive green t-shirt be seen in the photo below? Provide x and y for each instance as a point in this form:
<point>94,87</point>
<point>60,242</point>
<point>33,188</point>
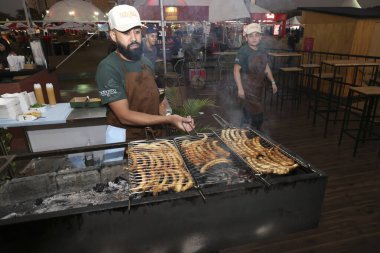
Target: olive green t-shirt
<point>110,76</point>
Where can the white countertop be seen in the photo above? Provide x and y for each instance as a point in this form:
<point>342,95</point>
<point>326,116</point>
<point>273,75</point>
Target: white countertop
<point>54,115</point>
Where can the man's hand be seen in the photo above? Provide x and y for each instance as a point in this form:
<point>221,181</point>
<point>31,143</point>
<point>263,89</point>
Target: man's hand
<point>182,123</point>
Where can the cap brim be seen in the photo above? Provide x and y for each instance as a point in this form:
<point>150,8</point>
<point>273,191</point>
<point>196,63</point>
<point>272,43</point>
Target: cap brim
<point>129,27</point>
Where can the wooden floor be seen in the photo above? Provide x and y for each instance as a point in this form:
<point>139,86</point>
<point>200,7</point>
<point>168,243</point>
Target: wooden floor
<point>350,218</point>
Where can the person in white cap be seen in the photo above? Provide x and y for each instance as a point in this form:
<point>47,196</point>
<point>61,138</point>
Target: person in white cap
<point>125,80</point>
<point>250,69</point>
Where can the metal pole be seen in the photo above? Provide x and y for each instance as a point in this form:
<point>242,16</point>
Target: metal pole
<point>27,16</point>
<point>64,60</point>
<point>163,34</point>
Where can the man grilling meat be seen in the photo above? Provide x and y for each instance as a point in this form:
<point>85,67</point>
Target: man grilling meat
<point>125,80</point>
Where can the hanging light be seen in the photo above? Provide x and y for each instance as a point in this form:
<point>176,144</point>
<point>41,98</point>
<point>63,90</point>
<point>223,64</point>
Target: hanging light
<point>171,13</point>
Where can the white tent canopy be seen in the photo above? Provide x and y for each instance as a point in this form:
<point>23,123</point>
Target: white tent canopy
<point>253,8</point>
<point>157,2</point>
<point>285,5</point>
<point>221,10</point>
<point>74,11</point>
<point>294,21</point>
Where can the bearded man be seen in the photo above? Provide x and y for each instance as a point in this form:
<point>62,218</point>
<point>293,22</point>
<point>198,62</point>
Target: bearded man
<point>126,85</point>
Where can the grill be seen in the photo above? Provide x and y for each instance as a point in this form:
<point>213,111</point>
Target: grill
<point>155,167</point>
<point>273,162</point>
<point>211,162</point>
<point>200,190</point>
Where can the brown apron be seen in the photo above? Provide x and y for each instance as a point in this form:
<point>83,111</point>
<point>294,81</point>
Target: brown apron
<point>143,96</point>
<point>253,84</point>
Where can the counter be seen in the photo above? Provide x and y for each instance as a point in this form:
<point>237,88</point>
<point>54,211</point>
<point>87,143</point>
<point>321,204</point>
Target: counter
<point>62,127</point>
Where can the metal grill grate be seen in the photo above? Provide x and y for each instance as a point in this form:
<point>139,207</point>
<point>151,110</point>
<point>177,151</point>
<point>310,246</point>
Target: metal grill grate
<point>261,154</point>
<point>155,167</point>
<point>211,162</point>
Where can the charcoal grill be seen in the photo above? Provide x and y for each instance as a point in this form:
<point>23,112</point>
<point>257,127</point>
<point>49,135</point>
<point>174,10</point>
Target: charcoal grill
<point>157,166</point>
<point>234,207</point>
<point>211,162</point>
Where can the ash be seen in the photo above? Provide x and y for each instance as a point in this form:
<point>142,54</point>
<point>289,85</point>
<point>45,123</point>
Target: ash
<point>115,191</point>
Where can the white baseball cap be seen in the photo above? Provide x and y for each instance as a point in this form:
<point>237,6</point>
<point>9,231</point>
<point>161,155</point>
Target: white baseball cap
<point>252,28</point>
<point>123,17</point>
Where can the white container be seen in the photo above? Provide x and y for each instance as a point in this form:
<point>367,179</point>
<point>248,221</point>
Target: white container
<point>9,108</point>
<point>22,97</point>
<point>32,98</point>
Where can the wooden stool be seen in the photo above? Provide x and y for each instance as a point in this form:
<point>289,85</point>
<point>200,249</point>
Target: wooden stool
<point>364,132</point>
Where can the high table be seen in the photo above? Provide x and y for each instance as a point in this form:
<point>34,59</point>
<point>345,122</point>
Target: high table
<point>283,55</point>
<point>336,87</point>
<point>371,97</point>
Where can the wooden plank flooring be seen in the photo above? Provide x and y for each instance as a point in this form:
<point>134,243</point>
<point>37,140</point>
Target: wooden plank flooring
<point>350,218</point>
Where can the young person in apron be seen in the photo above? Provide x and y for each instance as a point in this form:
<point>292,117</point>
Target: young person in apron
<point>250,69</point>
<point>126,85</point>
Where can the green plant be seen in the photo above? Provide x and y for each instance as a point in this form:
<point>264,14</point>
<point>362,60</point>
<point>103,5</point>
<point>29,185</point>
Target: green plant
<point>5,146</point>
<point>6,138</point>
<point>190,107</point>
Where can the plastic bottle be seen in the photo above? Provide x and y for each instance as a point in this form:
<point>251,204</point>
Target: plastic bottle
<point>50,93</point>
<point>89,156</point>
<point>38,92</point>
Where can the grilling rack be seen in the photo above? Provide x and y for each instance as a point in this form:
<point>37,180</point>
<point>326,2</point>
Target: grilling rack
<point>211,162</point>
<point>302,168</point>
<point>155,167</point>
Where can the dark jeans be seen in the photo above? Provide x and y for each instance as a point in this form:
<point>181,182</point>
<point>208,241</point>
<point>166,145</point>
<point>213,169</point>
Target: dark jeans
<point>254,120</point>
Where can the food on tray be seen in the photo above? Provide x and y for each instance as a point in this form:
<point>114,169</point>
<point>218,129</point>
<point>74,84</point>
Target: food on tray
<point>36,114</point>
<point>205,153</point>
<point>94,100</point>
<point>157,167</point>
<point>260,158</point>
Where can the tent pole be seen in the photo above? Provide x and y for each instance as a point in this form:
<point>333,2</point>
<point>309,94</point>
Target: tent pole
<point>163,34</point>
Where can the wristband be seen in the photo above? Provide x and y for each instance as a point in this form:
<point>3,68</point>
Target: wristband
<point>273,82</point>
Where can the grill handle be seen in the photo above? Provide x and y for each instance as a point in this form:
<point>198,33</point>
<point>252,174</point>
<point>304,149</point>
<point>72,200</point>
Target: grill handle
<point>222,122</point>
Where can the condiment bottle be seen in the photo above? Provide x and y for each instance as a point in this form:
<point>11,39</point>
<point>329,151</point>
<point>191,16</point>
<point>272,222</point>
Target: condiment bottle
<point>38,92</point>
<point>50,93</point>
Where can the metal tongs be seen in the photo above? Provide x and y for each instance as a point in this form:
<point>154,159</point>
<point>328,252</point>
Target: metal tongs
<point>189,133</point>
<point>222,122</point>
<point>149,133</point>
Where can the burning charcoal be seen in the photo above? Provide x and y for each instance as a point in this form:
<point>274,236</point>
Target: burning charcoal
<point>38,201</point>
<point>100,187</point>
<point>118,179</point>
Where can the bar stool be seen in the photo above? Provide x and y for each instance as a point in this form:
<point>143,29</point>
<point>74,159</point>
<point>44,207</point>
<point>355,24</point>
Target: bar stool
<point>334,88</point>
<point>370,95</point>
<point>290,86</point>
<point>307,74</point>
